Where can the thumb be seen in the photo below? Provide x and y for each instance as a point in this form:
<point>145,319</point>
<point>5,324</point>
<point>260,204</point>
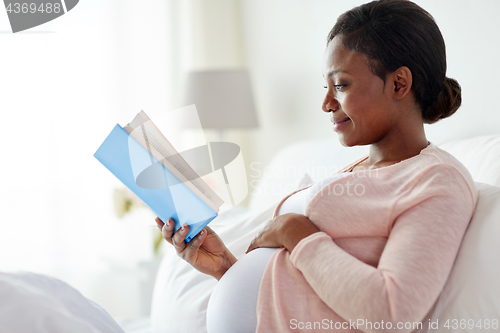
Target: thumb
<point>251,247</point>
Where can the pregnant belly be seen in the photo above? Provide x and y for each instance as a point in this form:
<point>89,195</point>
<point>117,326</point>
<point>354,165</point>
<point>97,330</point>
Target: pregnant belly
<point>232,306</point>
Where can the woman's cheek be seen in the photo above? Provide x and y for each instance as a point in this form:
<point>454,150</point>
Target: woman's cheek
<point>341,98</point>
<point>348,102</point>
<point>354,105</point>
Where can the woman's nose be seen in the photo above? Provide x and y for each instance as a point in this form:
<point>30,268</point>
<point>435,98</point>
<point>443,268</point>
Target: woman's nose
<point>330,103</point>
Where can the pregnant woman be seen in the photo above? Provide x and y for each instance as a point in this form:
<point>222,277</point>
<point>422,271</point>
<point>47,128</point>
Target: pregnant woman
<point>376,257</point>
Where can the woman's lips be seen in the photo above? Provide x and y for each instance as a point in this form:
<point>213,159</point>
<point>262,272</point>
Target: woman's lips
<point>339,122</point>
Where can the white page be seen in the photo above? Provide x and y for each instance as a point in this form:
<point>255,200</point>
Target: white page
<point>147,134</point>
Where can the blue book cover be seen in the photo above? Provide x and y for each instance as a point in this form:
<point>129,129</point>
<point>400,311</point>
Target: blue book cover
<point>155,185</point>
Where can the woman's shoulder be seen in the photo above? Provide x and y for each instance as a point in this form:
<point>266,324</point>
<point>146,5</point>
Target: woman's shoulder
<point>435,157</point>
<point>431,157</point>
<point>436,163</point>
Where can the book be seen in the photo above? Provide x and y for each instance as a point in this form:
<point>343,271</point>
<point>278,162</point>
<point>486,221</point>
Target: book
<point>140,156</point>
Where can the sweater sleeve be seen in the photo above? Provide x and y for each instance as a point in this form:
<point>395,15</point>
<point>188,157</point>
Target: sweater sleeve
<point>413,268</point>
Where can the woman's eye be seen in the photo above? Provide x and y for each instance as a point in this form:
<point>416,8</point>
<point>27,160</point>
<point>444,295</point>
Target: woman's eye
<point>337,87</point>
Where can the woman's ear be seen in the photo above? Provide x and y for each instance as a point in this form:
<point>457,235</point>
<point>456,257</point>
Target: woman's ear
<point>402,81</point>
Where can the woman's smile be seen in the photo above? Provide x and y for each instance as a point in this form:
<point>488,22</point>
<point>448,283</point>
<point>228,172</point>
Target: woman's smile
<point>339,122</point>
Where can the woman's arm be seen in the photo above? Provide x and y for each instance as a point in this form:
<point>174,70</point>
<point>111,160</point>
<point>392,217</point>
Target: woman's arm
<point>206,252</point>
<point>413,268</point>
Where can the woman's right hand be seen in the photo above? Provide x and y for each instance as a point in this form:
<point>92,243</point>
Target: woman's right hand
<point>206,252</point>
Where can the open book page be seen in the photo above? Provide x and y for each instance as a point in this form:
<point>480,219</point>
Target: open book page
<point>147,134</point>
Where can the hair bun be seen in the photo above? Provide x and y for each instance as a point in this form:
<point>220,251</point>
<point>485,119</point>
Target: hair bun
<point>447,102</point>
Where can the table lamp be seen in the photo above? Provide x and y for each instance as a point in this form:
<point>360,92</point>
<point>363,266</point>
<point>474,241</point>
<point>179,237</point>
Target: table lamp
<point>224,100</point>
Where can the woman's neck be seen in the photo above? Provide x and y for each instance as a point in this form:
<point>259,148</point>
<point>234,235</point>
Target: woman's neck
<point>397,146</point>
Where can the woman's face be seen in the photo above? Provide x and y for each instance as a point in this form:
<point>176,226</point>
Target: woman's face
<point>363,107</point>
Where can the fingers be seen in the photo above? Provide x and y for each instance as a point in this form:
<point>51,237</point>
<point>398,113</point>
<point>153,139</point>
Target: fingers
<point>190,252</point>
<point>254,244</point>
<point>209,231</point>
<point>178,238</point>
<point>268,237</point>
<point>250,248</point>
<point>167,229</point>
<point>159,223</point>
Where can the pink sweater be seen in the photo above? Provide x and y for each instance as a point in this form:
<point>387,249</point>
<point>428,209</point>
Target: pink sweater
<point>387,244</point>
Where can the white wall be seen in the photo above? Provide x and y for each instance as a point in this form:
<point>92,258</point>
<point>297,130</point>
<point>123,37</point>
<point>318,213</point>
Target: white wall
<point>64,86</point>
<point>284,43</point>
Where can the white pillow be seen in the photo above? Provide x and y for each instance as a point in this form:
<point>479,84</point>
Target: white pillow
<point>472,292</point>
<point>480,155</point>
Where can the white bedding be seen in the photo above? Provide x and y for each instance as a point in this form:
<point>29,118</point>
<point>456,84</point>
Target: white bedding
<point>36,303</point>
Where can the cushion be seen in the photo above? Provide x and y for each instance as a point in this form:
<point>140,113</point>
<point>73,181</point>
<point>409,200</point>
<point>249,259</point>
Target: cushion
<point>472,292</point>
<point>480,155</point>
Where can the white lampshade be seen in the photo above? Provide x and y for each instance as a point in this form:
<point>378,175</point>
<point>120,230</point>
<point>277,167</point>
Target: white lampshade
<point>223,98</point>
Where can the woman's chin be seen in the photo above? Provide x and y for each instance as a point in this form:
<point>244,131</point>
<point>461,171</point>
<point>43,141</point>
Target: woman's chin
<point>346,142</point>
<point>351,141</point>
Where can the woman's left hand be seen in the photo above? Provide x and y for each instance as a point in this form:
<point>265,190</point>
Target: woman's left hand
<point>284,231</point>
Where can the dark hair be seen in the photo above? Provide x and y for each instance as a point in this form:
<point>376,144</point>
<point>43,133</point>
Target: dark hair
<point>395,33</point>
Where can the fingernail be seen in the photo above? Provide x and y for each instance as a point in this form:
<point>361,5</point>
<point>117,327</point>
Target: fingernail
<point>168,224</point>
<point>159,227</point>
<point>182,228</point>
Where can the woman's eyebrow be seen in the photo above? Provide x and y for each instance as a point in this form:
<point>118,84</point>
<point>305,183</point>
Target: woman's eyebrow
<point>334,72</point>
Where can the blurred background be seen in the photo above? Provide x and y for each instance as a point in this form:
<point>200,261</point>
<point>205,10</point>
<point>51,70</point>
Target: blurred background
<point>65,84</point>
